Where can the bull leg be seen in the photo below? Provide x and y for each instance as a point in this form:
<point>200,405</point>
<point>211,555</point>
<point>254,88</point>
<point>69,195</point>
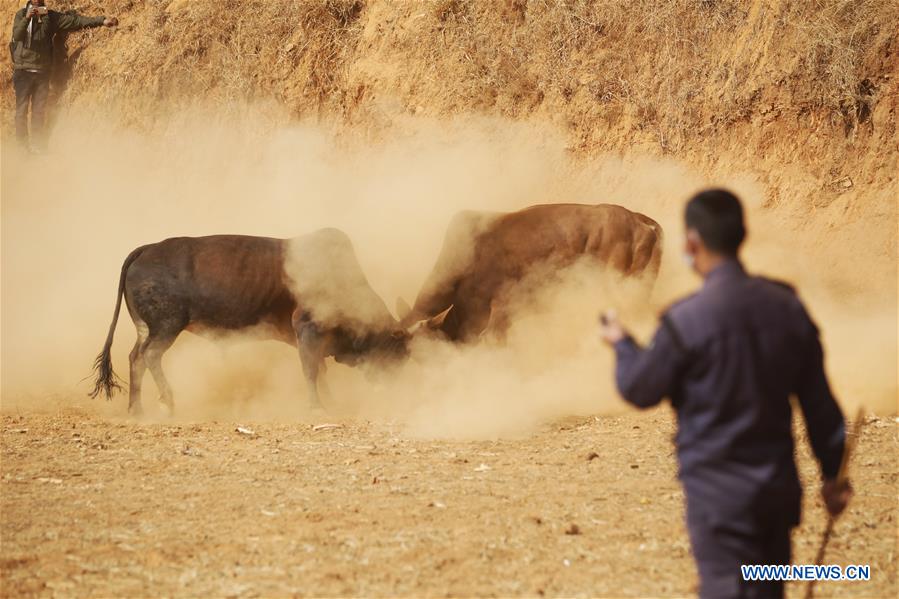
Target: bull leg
<point>312,356</point>
<point>324,391</point>
<point>156,347</point>
<point>313,364</point>
<point>310,371</point>
<point>137,370</point>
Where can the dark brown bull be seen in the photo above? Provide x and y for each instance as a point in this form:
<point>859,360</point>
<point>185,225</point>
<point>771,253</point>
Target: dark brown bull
<point>484,254</point>
<point>309,291</point>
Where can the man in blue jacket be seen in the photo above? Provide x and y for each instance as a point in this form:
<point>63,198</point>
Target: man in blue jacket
<point>32,53</point>
<point>729,358</point>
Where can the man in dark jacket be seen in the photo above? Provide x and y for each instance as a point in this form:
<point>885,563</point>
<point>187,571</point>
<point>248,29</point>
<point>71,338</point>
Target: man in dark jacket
<point>729,357</point>
<point>32,52</point>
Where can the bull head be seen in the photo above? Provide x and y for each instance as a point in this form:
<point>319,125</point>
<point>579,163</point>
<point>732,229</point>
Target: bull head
<point>379,348</point>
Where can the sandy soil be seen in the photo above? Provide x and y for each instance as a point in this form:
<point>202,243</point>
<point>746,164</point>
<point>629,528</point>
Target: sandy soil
<point>96,505</point>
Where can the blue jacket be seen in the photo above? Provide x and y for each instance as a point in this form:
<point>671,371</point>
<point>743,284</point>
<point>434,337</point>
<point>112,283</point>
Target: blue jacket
<point>730,357</point>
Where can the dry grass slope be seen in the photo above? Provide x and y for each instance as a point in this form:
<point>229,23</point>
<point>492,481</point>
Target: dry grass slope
<point>674,70</point>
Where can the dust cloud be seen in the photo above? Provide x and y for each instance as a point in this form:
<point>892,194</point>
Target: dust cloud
<point>70,218</point>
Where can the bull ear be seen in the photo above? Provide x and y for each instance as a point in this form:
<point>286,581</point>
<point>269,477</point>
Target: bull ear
<point>437,321</point>
<point>402,309</point>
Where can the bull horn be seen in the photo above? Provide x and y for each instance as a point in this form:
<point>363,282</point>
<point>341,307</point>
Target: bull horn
<point>432,323</point>
<point>437,321</point>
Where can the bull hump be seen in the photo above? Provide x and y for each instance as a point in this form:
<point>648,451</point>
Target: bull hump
<point>325,277</point>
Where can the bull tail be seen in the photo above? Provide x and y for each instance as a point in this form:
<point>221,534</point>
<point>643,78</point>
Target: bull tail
<point>107,380</point>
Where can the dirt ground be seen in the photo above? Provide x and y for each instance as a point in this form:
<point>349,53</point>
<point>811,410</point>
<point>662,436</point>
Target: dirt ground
<point>96,505</point>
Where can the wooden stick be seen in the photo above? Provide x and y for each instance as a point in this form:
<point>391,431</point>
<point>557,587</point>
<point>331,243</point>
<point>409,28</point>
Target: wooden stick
<point>842,474</point>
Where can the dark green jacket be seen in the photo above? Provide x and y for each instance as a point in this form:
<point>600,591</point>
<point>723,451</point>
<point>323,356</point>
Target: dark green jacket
<point>39,55</point>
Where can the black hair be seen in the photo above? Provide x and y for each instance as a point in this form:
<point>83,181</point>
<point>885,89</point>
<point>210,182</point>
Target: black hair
<point>717,215</point>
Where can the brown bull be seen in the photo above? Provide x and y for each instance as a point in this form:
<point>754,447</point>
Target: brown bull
<point>309,291</point>
<point>485,254</point>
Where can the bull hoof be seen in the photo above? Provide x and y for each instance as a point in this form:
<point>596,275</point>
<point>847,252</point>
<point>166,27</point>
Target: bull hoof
<point>136,410</point>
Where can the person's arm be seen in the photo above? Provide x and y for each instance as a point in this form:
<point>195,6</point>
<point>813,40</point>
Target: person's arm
<point>646,376</point>
<point>823,417</point>
<point>20,25</point>
<point>74,22</point>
